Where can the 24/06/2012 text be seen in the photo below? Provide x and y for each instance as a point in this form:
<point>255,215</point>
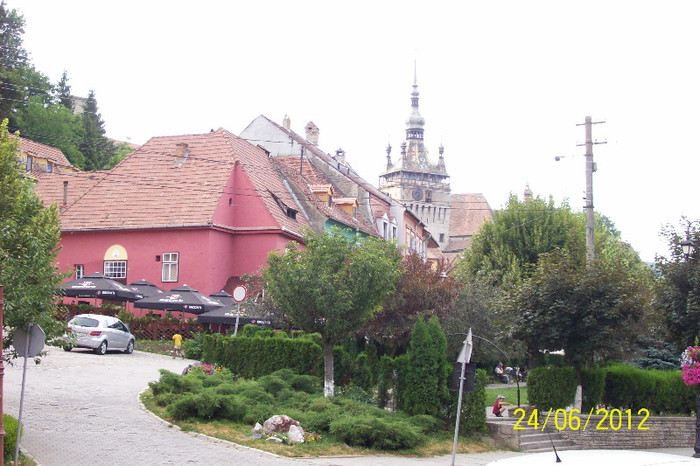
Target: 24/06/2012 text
<point>613,419</point>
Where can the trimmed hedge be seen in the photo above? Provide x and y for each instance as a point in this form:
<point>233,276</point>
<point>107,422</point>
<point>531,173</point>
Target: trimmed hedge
<point>551,387</point>
<point>372,432</point>
<point>617,386</point>
<point>253,357</point>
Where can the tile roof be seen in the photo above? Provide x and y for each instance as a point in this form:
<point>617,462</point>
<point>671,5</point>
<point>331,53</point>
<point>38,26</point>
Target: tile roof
<point>291,173</point>
<point>43,151</point>
<point>467,213</point>
<point>155,188</point>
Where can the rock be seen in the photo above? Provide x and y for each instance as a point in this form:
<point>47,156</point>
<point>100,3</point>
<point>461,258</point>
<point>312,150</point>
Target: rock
<point>295,434</point>
<point>257,428</point>
<point>279,423</point>
<point>274,439</point>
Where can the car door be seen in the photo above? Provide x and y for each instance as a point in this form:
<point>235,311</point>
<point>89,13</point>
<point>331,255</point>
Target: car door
<point>118,335</point>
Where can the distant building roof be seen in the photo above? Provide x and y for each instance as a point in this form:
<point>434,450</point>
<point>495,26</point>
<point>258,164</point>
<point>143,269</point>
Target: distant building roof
<point>172,181</point>
<point>37,149</point>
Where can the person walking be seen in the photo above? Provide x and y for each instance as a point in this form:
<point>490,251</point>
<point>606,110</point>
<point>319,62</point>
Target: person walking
<point>177,346</point>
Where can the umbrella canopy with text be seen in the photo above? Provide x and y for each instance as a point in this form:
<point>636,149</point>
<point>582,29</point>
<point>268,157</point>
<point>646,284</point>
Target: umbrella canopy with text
<point>146,288</point>
<point>97,285</point>
<point>183,298</point>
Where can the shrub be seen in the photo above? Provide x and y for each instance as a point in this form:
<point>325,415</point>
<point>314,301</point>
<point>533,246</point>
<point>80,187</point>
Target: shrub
<point>371,432</point>
<point>184,407</point>
<point>426,423</point>
<point>551,387</point>
<point>355,393</point>
<point>273,383</point>
<point>194,346</point>
<point>258,413</point>
<point>473,417</point>
<point>9,423</point>
<point>306,383</point>
<point>593,386</point>
<point>173,383</point>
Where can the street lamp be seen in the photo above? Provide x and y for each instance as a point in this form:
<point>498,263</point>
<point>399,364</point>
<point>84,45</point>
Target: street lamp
<point>688,247</point>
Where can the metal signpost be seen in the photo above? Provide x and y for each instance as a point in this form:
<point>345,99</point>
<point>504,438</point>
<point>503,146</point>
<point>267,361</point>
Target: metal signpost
<point>239,294</point>
<point>464,357</point>
<point>27,344</point>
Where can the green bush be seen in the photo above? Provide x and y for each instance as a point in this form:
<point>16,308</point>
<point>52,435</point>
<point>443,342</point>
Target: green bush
<point>9,423</point>
<point>593,386</point>
<point>306,383</point>
<point>252,357</point>
<point>426,424</point>
<point>194,346</point>
<point>371,432</point>
<point>551,387</point>
<point>355,393</point>
<point>473,417</point>
<point>173,383</point>
<point>184,407</point>
<point>273,383</point>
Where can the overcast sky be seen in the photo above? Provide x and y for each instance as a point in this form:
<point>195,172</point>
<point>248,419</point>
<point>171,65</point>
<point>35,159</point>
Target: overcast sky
<point>502,85</point>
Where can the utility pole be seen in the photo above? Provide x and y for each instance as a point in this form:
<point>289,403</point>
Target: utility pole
<point>590,168</point>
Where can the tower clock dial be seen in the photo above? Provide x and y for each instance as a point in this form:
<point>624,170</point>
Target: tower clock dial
<point>417,194</point>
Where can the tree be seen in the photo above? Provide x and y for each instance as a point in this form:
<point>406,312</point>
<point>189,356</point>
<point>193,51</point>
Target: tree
<point>426,370</point>
<point>332,286</point>
<point>18,78</point>
<point>53,125</point>
<point>29,235</point>
<point>62,91</point>
<point>96,147</point>
<point>590,311</point>
<point>420,290</point>
<point>678,287</point>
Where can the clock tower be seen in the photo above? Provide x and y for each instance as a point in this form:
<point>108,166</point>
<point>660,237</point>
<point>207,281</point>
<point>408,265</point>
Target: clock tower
<point>414,181</point>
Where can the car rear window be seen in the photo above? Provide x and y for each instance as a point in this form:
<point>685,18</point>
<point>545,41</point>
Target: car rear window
<point>85,322</point>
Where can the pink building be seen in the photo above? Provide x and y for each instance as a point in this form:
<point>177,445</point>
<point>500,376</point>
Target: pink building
<point>200,210</point>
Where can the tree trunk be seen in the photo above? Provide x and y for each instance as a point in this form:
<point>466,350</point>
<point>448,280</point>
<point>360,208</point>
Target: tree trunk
<point>328,385</point>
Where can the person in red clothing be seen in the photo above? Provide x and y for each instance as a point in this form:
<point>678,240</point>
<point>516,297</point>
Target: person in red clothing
<point>499,407</point>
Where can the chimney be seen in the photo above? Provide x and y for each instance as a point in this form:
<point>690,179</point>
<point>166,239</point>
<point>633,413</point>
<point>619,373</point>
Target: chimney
<point>340,156</point>
<point>65,193</point>
<point>181,153</point>
<point>312,133</point>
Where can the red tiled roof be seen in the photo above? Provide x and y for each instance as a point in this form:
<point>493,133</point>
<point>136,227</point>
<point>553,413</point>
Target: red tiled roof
<point>43,151</point>
<point>333,212</point>
<point>468,212</point>
<point>155,188</point>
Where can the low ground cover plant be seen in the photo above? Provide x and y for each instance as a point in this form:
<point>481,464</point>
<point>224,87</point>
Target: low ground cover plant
<point>224,397</point>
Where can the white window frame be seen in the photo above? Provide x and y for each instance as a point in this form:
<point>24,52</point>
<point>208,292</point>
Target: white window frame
<point>171,262</point>
<point>79,271</point>
<point>116,270</point>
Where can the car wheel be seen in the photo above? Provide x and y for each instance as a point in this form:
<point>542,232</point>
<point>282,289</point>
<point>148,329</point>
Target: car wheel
<point>130,347</point>
<point>67,347</point>
<point>102,349</point>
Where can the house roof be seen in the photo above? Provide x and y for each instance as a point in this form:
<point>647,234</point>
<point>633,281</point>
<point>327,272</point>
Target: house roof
<point>333,212</point>
<point>171,181</point>
<point>43,151</point>
<point>468,213</point>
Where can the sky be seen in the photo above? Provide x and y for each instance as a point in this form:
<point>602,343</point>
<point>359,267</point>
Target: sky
<point>503,86</point>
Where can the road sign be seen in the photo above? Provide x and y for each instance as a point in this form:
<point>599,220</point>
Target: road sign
<point>36,337</point>
<point>239,293</point>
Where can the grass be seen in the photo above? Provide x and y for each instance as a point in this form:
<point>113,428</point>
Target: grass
<point>510,392</point>
<point>154,346</point>
<point>435,444</point>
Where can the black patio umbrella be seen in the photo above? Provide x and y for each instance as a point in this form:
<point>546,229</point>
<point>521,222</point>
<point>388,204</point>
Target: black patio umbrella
<point>183,298</point>
<point>224,298</point>
<point>227,316</point>
<point>146,288</point>
<point>97,285</point>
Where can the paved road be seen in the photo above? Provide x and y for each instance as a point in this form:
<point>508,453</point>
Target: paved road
<point>83,409</point>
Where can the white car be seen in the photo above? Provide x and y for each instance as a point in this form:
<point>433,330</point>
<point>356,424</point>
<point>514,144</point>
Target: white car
<point>597,457</point>
<point>99,333</point>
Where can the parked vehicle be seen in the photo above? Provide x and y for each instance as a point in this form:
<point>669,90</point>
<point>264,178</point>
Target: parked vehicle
<point>99,333</point>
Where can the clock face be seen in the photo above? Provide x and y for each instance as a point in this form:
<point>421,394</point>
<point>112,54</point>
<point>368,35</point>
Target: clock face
<point>417,194</point>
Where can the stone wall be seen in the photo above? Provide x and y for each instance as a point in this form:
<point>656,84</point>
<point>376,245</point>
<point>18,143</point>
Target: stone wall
<point>663,432</point>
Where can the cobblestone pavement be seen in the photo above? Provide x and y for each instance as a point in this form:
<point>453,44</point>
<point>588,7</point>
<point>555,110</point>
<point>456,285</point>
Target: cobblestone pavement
<point>83,409</point>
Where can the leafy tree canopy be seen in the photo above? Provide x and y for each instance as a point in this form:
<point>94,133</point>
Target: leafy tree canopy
<point>332,286</point>
<point>96,147</point>
<point>29,235</point>
<point>678,287</point>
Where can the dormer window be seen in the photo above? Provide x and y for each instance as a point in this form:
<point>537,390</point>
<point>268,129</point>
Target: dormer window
<point>49,167</point>
<point>29,163</point>
<point>288,211</point>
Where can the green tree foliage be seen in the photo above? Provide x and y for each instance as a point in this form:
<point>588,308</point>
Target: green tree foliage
<point>333,286</point>
<point>591,312</point>
<point>505,249</point>
<point>95,146</point>
<point>29,235</point>
<point>18,78</point>
<point>424,388</point>
<point>62,92</point>
<point>420,290</point>
<point>678,287</point>
<point>55,126</point>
